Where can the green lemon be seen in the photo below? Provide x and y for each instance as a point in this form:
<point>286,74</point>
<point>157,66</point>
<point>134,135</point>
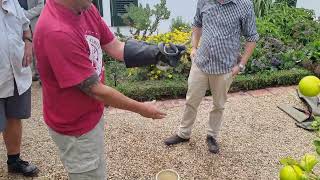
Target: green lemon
<point>309,86</point>
<point>298,171</point>
<point>290,172</point>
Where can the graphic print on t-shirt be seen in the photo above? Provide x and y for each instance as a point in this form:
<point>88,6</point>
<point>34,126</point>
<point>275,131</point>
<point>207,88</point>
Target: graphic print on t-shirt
<point>95,53</point>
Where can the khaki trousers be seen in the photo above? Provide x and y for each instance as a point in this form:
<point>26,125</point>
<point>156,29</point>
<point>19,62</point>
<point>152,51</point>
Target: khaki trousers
<point>83,157</point>
<point>198,83</point>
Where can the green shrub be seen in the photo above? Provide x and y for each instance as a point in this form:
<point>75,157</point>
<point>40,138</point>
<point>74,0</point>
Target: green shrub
<point>262,7</point>
<point>286,35</point>
<point>153,89</point>
<point>285,17</point>
<point>268,79</point>
<point>177,86</point>
<point>144,19</point>
<point>179,24</point>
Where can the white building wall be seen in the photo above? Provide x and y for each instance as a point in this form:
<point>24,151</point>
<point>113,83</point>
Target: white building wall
<point>107,11</point>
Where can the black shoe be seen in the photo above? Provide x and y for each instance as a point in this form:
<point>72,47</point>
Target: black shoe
<point>22,167</point>
<point>175,140</point>
<point>212,145</point>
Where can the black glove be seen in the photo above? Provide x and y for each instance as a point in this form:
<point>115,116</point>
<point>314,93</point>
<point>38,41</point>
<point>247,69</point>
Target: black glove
<point>171,54</point>
<point>139,53</point>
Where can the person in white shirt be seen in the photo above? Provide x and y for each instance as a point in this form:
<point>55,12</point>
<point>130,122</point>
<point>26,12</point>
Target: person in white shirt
<point>15,82</point>
<point>32,10</point>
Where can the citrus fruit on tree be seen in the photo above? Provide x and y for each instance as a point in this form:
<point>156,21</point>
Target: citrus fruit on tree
<point>290,172</point>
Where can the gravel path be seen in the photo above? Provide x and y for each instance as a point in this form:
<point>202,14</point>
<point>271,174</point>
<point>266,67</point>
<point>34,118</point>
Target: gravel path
<point>254,136</point>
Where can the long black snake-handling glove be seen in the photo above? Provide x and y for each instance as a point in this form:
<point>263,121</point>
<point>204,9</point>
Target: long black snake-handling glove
<point>140,53</point>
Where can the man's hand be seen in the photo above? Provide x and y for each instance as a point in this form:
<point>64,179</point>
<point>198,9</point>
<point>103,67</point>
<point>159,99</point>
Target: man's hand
<point>150,110</point>
<point>235,70</point>
<point>28,55</point>
<point>243,58</point>
<point>193,53</point>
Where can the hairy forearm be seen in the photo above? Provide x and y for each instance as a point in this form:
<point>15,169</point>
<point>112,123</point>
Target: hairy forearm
<point>109,96</point>
<point>248,51</point>
<point>27,34</point>
<point>196,35</point>
<point>115,49</point>
<point>114,98</point>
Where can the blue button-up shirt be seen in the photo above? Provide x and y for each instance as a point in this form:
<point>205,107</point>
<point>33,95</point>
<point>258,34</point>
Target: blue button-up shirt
<point>222,26</point>
<point>12,24</point>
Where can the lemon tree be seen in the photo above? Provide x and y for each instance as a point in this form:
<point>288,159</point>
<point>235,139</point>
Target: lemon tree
<point>303,170</point>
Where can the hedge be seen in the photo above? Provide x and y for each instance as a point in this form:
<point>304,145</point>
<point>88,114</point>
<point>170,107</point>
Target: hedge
<point>177,88</point>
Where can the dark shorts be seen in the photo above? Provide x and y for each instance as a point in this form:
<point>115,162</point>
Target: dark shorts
<point>15,107</point>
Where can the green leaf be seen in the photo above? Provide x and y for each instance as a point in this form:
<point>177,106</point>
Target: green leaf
<point>318,150</point>
<point>308,161</point>
<point>288,161</point>
<point>316,142</point>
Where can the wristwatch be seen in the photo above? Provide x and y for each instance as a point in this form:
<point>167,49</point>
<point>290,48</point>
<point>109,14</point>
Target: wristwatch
<point>27,39</point>
<point>242,67</point>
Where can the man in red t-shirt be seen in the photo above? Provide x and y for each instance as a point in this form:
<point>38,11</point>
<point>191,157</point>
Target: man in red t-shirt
<point>69,39</point>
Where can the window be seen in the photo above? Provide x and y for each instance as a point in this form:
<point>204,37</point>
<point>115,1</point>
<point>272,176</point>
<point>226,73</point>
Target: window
<point>118,9</point>
<point>98,4</point>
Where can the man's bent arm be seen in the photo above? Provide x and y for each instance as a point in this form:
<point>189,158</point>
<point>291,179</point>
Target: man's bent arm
<point>196,35</point>
<point>249,29</point>
<point>115,49</point>
<point>248,51</point>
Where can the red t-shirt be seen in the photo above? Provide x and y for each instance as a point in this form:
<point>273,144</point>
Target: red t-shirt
<point>68,51</point>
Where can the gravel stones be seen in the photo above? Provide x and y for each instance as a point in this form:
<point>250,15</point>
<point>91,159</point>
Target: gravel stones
<point>255,135</point>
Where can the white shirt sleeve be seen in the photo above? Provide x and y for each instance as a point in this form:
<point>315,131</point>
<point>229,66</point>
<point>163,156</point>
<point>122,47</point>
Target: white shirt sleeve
<point>22,16</point>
